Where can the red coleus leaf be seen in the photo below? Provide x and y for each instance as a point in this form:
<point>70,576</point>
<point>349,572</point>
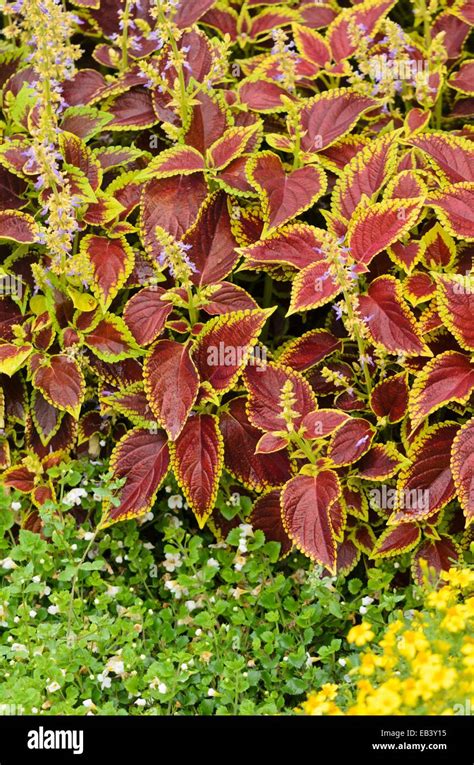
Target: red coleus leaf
<point>198,457</point>
<point>390,398</point>
<point>142,458</point>
<point>447,377</point>
<point>329,115</point>
<point>380,463</point>
<point>266,516</point>
<point>396,540</point>
<point>405,254</point>
<point>305,351</point>
<point>111,262</point>
<point>172,204</point>
<point>11,190</point>
<point>145,314</point>
<point>419,287</point>
<point>172,384</point>
<point>340,33</point>
<point>356,502</point>
<point>364,538</point>
<point>111,340</point>
<point>456,307</point>
<point>228,297</point>
<point>306,505</point>
<point>433,557</point>
<point>212,242</point>
<point>380,225</point>
<point>132,111</point>
<point>347,556</point>
<point>60,380</point>
<point>231,145</point>
<point>179,160</point>
<point>270,443</point>
<point>438,249</point>
<point>454,206</point>
<point>83,88</point>
<point>313,287</point>
<point>463,79</point>
<point>406,185</point>
<point>225,344</point>
<point>77,154</point>
<point>455,28</point>
<point>426,485</point>
<point>19,477</point>
<point>452,154</point>
<point>133,403</point>
<point>297,245</point>
<point>263,96</point>
<point>388,319</point>
<point>13,357</point>
<point>365,174</point>
<point>46,417</point>
<point>208,122</point>
<point>323,422</point>
<point>350,441</point>
<point>254,470</point>
<point>10,314</point>
<point>311,45</point>
<point>284,196</point>
<point>62,441</point>
<point>188,13</point>
<point>268,386</point>
<point>462,467</point>
<point>18,227</point>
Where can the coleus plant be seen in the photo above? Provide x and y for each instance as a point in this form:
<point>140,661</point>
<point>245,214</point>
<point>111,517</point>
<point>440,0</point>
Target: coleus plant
<point>236,244</point>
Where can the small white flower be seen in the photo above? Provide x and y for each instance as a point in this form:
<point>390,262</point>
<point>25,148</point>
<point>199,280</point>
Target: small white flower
<point>32,613</point>
<point>347,679</point>
<point>190,605</point>
<point>211,692</point>
<point>47,590</point>
<point>396,565</point>
<point>19,648</point>
<point>104,680</point>
<point>184,666</point>
<point>213,563</point>
<point>8,563</point>
<point>88,536</point>
<point>198,632</point>
<point>34,710</point>
<point>246,530</point>
<point>119,559</point>
<point>52,687</point>
<point>175,502</point>
<point>140,702</point>
<point>16,506</point>
<point>172,561</point>
<point>162,688</point>
<point>36,579</point>
<point>115,664</point>
<point>102,442</point>
<point>362,610</point>
<point>342,662</point>
<point>74,496</point>
<point>149,546</point>
<point>16,619</point>
<point>113,590</point>
<point>89,704</point>
<point>235,499</point>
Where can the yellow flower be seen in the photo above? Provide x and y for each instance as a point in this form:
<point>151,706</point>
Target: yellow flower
<point>440,599</point>
<point>384,701</point>
<point>361,634</point>
<point>411,642</point>
<point>368,664</point>
<point>455,619</point>
<point>459,577</point>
